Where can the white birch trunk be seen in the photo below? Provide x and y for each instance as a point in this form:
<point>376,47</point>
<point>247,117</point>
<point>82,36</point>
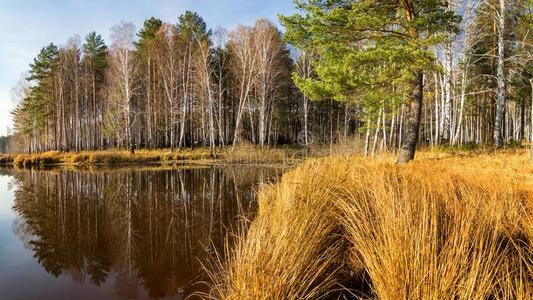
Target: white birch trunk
<point>500,102</point>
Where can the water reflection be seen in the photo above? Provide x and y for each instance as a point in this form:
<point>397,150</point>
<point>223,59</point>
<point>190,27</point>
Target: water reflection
<point>147,230</point>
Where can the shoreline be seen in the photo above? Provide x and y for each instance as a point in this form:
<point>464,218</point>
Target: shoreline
<point>239,155</point>
<point>242,155</point>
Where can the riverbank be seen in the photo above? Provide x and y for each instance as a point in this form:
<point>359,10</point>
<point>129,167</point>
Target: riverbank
<point>241,154</point>
<point>441,227</point>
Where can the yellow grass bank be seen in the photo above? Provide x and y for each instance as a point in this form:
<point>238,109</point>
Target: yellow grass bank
<point>442,227</point>
<point>234,155</point>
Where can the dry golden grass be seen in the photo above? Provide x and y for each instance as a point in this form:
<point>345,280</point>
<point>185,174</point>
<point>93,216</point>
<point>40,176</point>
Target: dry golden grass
<point>105,157</point>
<point>46,158</point>
<point>249,153</point>
<point>288,230</point>
<point>245,153</point>
<point>441,227</point>
<point>343,147</point>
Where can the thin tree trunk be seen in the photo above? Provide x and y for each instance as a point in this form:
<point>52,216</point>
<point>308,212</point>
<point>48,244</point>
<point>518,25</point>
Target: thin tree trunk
<point>447,108</point>
<point>531,121</point>
<point>367,137</point>
<point>461,108</point>
<point>384,140</point>
<point>500,103</point>
<point>306,113</point>
<point>437,119</point>
<point>376,133</point>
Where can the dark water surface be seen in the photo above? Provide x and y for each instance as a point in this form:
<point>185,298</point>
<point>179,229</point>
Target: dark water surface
<point>126,233</point>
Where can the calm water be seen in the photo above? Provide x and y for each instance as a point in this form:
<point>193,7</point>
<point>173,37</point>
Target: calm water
<point>117,234</point>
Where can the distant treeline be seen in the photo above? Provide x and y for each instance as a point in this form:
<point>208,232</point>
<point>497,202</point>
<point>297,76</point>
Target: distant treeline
<point>168,86</point>
<point>4,142</point>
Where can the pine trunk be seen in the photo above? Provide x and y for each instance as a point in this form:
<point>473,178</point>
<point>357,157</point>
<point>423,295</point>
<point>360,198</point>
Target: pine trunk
<point>410,140</point>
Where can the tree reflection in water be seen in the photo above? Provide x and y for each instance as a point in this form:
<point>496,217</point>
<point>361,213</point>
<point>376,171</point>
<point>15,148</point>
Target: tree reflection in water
<point>147,228</point>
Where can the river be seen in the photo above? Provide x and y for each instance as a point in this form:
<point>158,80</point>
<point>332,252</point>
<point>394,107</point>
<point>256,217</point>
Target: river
<point>119,233</point>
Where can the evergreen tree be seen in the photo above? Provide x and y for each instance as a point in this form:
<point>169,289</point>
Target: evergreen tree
<point>40,101</point>
<point>147,69</point>
<point>95,62</point>
<point>374,50</point>
<point>192,30</point>
<point>95,51</point>
<point>192,26</point>
<point>148,32</point>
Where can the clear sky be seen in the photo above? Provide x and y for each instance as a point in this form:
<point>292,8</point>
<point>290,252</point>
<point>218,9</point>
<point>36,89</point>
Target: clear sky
<point>28,25</point>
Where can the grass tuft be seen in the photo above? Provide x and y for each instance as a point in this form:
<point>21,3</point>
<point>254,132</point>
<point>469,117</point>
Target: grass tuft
<point>442,227</point>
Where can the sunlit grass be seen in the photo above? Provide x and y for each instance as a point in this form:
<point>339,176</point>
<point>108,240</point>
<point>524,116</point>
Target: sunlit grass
<point>240,154</point>
<point>105,157</point>
<point>442,227</point>
<point>249,153</point>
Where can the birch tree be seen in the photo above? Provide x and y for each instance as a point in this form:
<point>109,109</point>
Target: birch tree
<point>204,74</point>
<point>269,47</point>
<point>168,61</point>
<point>243,66</point>
<point>221,77</point>
<point>500,102</point>
<point>303,66</point>
<point>146,47</point>
<point>121,78</point>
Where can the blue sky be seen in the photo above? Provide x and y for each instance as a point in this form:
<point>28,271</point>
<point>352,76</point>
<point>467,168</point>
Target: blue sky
<point>27,25</point>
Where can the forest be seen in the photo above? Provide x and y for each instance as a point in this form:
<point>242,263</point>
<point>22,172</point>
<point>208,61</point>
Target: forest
<point>276,160</point>
<point>462,75</point>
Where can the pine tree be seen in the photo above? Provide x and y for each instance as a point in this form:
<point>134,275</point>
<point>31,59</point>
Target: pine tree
<point>375,51</point>
<point>95,62</point>
<point>145,48</point>
<point>95,50</point>
<point>147,33</point>
<point>40,101</point>
<point>191,26</point>
<point>192,30</point>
